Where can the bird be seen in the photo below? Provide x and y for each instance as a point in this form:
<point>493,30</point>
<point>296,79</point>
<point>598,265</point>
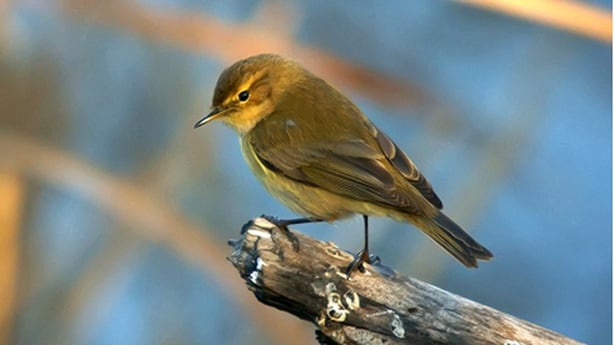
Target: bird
<point>319,154</point>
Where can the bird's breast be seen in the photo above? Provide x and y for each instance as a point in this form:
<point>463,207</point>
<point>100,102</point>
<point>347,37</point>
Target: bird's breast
<point>302,198</point>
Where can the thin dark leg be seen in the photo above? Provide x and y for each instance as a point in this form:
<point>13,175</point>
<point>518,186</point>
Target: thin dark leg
<point>286,222</point>
<point>363,256</point>
<point>283,224</point>
<point>365,251</point>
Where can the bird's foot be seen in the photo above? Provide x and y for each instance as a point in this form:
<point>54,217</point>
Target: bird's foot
<point>359,260</point>
<point>247,226</point>
<point>282,224</point>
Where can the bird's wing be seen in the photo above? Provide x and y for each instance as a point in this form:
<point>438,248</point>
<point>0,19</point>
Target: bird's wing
<point>406,167</point>
<point>351,168</point>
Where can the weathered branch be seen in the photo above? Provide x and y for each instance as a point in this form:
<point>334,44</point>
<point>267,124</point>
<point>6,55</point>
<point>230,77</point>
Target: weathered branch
<point>376,307</point>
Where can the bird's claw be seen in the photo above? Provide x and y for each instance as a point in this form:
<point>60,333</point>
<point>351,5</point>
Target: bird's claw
<point>283,226</point>
<point>359,260</point>
<point>246,226</point>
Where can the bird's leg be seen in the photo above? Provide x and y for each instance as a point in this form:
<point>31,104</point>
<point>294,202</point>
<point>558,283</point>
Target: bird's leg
<point>283,224</point>
<point>362,256</point>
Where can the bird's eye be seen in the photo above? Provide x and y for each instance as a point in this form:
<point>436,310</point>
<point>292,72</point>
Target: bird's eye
<point>243,96</point>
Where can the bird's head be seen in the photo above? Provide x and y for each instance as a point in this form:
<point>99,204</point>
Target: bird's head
<point>247,91</point>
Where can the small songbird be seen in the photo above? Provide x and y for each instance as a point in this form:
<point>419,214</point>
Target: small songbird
<point>314,150</point>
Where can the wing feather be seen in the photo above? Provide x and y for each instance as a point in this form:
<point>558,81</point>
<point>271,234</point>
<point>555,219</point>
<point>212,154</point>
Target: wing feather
<point>350,168</point>
<point>407,168</point>
<point>345,159</point>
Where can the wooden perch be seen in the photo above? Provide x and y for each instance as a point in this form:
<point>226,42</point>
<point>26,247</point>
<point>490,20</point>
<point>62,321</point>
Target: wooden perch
<point>376,307</point>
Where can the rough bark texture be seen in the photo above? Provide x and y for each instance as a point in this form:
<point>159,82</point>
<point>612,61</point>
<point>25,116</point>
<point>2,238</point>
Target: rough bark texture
<point>376,307</point>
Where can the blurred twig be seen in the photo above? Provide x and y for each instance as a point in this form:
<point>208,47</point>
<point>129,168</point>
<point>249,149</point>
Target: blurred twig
<point>11,190</point>
<point>573,16</point>
<point>149,216</point>
<point>198,32</point>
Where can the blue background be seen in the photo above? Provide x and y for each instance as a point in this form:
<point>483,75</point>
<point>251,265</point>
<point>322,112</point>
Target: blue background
<point>511,122</point>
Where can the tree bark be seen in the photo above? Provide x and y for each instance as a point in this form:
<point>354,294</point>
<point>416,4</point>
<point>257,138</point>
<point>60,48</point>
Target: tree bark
<point>379,306</point>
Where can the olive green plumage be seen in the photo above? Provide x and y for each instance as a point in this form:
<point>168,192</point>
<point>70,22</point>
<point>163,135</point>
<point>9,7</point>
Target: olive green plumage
<point>321,156</point>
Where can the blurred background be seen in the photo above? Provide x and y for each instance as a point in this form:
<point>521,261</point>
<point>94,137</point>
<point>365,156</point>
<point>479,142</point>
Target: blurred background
<point>115,212</point>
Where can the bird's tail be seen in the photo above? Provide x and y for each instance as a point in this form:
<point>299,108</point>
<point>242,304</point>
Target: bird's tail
<point>451,237</point>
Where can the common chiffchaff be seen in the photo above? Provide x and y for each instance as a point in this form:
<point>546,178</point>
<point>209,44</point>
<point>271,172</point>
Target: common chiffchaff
<point>314,150</point>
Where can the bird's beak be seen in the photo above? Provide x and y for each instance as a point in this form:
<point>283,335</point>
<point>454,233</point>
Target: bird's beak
<point>208,118</point>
